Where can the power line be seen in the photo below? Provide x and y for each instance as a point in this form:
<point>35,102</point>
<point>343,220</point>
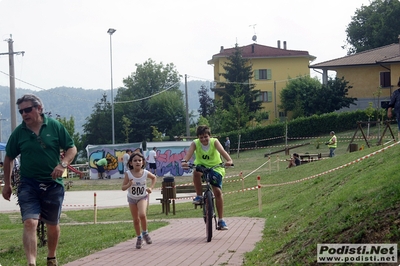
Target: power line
<point>151,96</point>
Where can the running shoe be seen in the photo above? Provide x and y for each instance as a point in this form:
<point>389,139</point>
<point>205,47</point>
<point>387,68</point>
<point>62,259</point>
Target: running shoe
<point>222,225</point>
<point>52,262</point>
<point>139,243</point>
<point>147,239</point>
<point>198,200</point>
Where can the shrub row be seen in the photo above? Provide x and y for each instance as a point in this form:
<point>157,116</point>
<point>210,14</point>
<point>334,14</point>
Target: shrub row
<point>311,126</point>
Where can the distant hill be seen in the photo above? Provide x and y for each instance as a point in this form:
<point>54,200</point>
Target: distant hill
<point>75,102</point>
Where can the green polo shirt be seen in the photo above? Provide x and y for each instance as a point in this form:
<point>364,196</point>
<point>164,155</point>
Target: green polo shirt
<point>39,154</point>
<point>209,158</point>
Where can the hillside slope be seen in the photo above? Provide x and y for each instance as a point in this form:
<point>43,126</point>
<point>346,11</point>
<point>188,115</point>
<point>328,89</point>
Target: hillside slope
<point>346,199</point>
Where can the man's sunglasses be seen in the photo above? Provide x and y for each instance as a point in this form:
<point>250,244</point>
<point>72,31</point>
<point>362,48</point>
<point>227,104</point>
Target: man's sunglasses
<point>26,110</point>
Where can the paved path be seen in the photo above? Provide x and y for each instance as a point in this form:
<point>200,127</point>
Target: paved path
<point>183,242</point>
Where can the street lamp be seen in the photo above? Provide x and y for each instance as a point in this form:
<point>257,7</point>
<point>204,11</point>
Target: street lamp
<point>111,31</point>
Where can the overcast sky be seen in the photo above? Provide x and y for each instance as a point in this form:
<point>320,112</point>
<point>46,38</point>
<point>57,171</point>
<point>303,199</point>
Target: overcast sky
<point>66,41</point>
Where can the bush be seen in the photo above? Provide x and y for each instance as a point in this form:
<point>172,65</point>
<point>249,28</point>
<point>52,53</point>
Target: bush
<point>311,126</point>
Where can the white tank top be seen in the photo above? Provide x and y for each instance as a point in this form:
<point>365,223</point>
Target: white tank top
<point>138,188</point>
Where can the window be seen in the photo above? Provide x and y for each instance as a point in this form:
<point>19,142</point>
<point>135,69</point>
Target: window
<point>384,79</point>
<point>265,96</point>
<point>262,74</point>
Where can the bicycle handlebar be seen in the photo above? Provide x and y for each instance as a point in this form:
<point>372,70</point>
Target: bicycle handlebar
<point>202,168</point>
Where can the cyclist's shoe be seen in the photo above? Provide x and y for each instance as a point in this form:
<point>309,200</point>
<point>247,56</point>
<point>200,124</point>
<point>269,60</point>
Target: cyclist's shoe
<point>147,238</point>
<point>52,262</point>
<point>222,225</point>
<point>198,200</point>
<point>139,243</point>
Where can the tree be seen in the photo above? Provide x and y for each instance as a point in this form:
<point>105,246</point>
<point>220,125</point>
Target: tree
<point>374,26</point>
<point>333,95</point>
<point>238,115</point>
<point>151,97</point>
<point>70,127</point>
<point>305,96</point>
<point>296,92</point>
<point>206,102</point>
<point>97,129</point>
<point>157,135</point>
<point>238,72</point>
<point>126,128</point>
<point>168,113</point>
<point>216,120</point>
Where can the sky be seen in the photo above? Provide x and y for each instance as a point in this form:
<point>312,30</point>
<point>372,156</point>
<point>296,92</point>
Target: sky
<point>66,41</point>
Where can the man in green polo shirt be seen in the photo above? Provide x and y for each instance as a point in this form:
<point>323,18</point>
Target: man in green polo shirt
<point>38,140</point>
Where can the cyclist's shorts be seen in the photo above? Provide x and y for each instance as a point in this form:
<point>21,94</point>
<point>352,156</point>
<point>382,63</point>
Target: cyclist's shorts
<point>42,199</point>
<point>216,180</point>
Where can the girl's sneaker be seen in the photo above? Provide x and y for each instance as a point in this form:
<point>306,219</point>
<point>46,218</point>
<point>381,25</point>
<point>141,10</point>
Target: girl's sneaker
<point>147,239</point>
<point>139,243</point>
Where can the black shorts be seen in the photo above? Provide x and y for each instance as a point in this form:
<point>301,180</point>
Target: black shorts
<point>152,165</point>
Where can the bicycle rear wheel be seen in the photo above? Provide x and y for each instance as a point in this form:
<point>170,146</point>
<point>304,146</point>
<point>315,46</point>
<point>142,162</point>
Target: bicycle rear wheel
<point>209,209</point>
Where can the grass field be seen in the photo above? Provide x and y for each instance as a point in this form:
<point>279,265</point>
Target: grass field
<point>351,198</point>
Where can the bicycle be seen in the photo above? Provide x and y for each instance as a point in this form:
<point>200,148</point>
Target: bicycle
<point>208,198</point>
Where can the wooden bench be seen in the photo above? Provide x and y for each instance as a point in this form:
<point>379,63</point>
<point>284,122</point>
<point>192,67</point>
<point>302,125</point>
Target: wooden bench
<point>312,157</point>
<point>170,195</point>
<point>309,157</point>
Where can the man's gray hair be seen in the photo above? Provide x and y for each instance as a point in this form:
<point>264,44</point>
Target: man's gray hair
<point>36,101</point>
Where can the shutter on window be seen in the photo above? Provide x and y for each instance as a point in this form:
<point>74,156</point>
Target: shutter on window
<point>269,99</point>
<point>269,75</point>
<point>256,74</point>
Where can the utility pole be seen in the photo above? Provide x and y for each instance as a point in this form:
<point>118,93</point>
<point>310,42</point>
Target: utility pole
<point>1,135</point>
<point>13,109</point>
<point>187,108</point>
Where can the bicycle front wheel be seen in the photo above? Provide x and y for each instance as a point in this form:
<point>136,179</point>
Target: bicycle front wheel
<point>209,209</point>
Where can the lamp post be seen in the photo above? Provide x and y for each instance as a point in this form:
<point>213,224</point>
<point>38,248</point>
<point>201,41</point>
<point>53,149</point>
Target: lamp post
<point>111,31</point>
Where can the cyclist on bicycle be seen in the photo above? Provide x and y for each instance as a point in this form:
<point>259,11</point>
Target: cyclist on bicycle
<point>208,151</point>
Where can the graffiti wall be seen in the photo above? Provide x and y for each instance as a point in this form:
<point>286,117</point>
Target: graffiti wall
<point>114,153</point>
<point>169,156</point>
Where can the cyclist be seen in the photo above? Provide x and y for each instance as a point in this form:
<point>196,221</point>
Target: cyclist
<point>208,151</point>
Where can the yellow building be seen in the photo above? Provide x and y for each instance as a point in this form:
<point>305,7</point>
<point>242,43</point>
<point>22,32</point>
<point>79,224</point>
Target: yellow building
<point>374,74</point>
<point>272,68</point>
